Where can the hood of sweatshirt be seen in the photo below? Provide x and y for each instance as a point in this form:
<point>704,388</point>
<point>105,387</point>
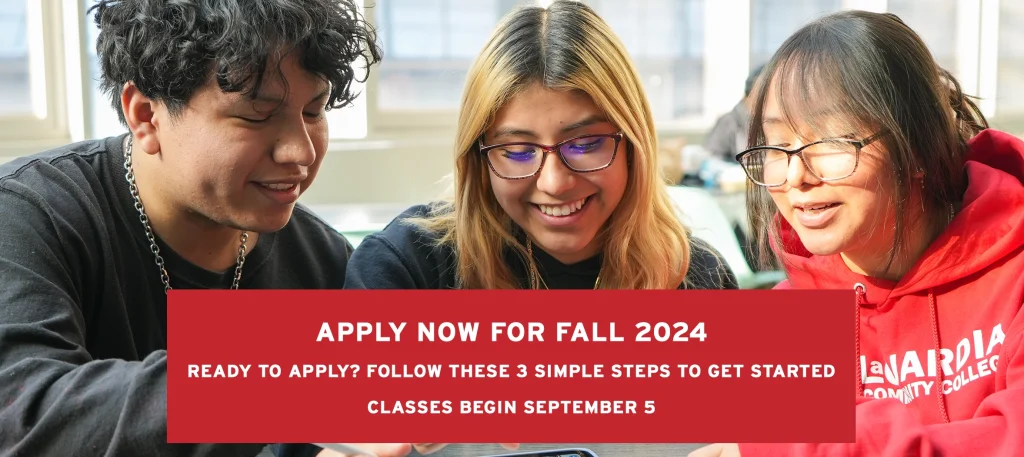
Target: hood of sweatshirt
<point>988,228</point>
<point>945,340</point>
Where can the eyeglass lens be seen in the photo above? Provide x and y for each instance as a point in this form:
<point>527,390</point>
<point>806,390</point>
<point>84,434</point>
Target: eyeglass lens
<point>581,154</point>
<point>826,160</point>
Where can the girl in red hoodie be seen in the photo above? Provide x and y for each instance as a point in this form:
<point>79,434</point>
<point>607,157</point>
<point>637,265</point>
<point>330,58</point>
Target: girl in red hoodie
<point>873,172</point>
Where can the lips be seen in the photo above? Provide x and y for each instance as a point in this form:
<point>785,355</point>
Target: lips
<point>563,209</point>
<point>815,207</point>
<point>816,215</point>
<point>282,191</point>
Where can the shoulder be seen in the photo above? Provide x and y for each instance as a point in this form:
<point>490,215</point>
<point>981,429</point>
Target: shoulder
<point>307,253</point>
<point>405,254</point>
<point>708,269</point>
<point>312,234</point>
<point>55,170</point>
<point>56,215</point>
<point>405,232</point>
<point>68,186</point>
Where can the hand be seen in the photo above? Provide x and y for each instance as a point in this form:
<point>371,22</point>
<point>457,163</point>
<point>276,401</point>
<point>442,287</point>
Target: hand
<point>381,449</point>
<point>429,448</point>
<point>717,450</point>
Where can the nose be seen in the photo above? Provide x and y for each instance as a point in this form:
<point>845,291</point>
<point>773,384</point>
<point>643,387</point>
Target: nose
<point>797,174</point>
<point>295,145</point>
<point>555,178</point>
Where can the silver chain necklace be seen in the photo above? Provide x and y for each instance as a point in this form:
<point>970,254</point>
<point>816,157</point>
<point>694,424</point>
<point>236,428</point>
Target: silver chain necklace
<point>130,177</point>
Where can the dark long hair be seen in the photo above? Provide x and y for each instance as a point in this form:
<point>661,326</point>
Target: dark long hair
<point>870,70</point>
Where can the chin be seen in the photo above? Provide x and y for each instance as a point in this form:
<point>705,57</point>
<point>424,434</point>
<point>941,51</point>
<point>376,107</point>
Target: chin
<point>820,244</point>
<point>564,246</point>
<point>265,223</point>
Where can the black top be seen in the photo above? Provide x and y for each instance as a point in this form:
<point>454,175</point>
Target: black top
<point>83,311</point>
<point>403,256</point>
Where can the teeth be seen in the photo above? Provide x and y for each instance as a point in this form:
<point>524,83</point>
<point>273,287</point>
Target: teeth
<point>563,210</point>
<point>816,208</point>
<point>278,186</point>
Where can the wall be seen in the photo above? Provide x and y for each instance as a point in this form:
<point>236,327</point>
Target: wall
<point>408,170</point>
<point>392,171</point>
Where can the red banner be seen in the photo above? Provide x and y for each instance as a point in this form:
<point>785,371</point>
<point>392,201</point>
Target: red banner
<point>511,366</point>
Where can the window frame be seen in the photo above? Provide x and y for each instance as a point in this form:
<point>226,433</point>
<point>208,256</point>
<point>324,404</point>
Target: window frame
<point>399,123</point>
<point>19,133</point>
<point>726,64</point>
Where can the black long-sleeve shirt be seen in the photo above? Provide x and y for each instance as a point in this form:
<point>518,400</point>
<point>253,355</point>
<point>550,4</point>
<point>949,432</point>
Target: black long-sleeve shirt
<point>403,256</point>
<point>83,311</point>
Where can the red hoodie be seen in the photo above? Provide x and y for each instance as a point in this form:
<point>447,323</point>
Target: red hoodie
<point>962,299</point>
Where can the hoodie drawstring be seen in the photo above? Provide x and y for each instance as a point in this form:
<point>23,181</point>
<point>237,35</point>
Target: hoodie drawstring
<point>939,395</point>
<point>859,289</point>
<point>934,311</point>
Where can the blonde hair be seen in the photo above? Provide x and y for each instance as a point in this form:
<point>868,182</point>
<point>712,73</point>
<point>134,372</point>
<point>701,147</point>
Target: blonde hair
<point>564,47</point>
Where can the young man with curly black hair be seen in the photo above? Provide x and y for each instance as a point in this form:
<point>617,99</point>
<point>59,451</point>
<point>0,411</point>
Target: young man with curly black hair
<point>225,103</point>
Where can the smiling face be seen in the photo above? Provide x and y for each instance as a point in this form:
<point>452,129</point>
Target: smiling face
<point>240,162</point>
<point>563,211</point>
<point>853,215</point>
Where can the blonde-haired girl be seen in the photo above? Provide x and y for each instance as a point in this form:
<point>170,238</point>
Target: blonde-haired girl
<point>556,177</point>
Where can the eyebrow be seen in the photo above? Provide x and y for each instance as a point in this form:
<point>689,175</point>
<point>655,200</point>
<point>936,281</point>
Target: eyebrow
<point>591,120</point>
<point>278,100</point>
<point>587,121</point>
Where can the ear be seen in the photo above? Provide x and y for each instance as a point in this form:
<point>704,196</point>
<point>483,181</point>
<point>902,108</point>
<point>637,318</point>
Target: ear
<point>140,115</point>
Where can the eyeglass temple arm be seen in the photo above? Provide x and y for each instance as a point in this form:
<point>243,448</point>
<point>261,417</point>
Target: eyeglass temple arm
<point>871,139</point>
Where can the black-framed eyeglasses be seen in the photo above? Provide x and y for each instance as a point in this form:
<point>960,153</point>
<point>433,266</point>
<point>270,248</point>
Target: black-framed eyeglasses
<point>829,159</point>
<point>582,154</point>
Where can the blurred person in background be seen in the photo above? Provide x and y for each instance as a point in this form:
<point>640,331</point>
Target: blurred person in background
<point>875,173</point>
<point>728,137</point>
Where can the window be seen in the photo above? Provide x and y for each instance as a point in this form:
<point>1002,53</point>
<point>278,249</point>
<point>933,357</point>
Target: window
<point>31,72</point>
<point>102,119</point>
<point>665,38</point>
<point>955,32</point>
<point>962,38</point>
<point>936,23</point>
<point>15,84</point>
<point>428,48</point>
<point>692,55</point>
<point>427,55</point>
<point>773,21</point>
<point>1010,86</point>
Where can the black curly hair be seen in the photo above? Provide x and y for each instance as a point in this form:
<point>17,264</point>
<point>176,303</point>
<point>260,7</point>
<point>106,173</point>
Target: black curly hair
<point>168,48</point>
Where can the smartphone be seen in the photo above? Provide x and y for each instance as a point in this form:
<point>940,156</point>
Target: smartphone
<point>569,452</point>
<point>346,449</point>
